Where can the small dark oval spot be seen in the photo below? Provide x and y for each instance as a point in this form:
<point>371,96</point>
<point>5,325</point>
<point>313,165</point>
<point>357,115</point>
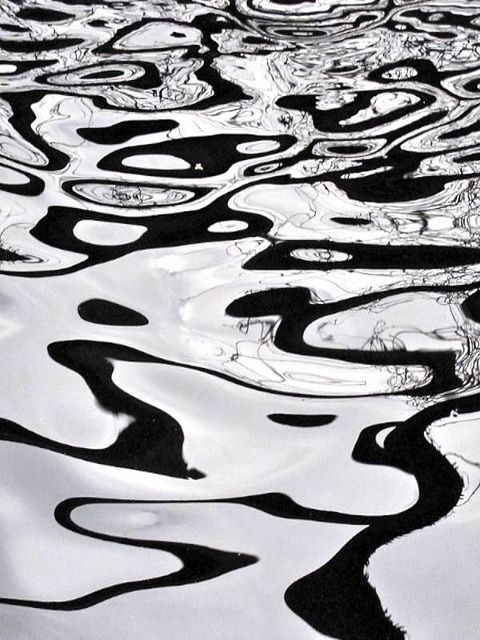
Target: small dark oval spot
<point>299,420</point>
<point>105,312</point>
<point>177,34</point>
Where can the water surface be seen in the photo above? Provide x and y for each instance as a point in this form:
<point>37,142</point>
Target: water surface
<point>239,258</point>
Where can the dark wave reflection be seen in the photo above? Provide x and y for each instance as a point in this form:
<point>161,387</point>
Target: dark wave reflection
<point>241,318</point>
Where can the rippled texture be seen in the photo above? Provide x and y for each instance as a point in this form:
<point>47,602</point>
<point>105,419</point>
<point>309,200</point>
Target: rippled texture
<point>239,256</point>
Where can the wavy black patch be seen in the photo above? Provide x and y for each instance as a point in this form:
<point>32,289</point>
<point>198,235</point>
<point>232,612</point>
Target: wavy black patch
<point>199,563</point>
<point>337,598</point>
<point>152,441</point>
<point>56,229</point>
<point>205,156</point>
<point>125,131</point>
<point>22,118</point>
<point>332,120</point>
<point>296,310</point>
<point>89,75</point>
<point>281,256</point>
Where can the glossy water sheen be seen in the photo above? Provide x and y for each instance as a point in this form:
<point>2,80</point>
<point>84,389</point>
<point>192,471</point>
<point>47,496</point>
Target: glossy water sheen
<point>240,319</point>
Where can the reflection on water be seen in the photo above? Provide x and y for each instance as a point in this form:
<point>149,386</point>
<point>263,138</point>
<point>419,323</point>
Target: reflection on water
<point>239,257</point>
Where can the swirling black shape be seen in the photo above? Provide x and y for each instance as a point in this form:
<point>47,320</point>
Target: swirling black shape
<point>389,178</point>
<point>337,598</point>
<point>279,256</point>
<point>296,310</point>
<point>329,120</point>
<point>447,26</point>
<point>334,20</point>
<point>216,154</point>
<point>390,181</point>
<point>170,230</point>
<point>110,48</point>
<point>22,119</point>
<point>200,563</point>
<point>224,91</point>
<point>33,187</point>
<point>153,440</point>
<point>210,24</point>
<point>196,192</point>
<point>150,78</point>
<point>296,33</point>
<point>142,446</point>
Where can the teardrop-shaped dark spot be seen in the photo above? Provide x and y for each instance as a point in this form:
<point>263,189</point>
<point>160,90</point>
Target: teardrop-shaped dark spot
<point>105,312</point>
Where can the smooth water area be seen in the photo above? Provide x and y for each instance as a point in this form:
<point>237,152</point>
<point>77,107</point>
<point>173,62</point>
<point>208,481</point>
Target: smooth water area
<point>240,319</point>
